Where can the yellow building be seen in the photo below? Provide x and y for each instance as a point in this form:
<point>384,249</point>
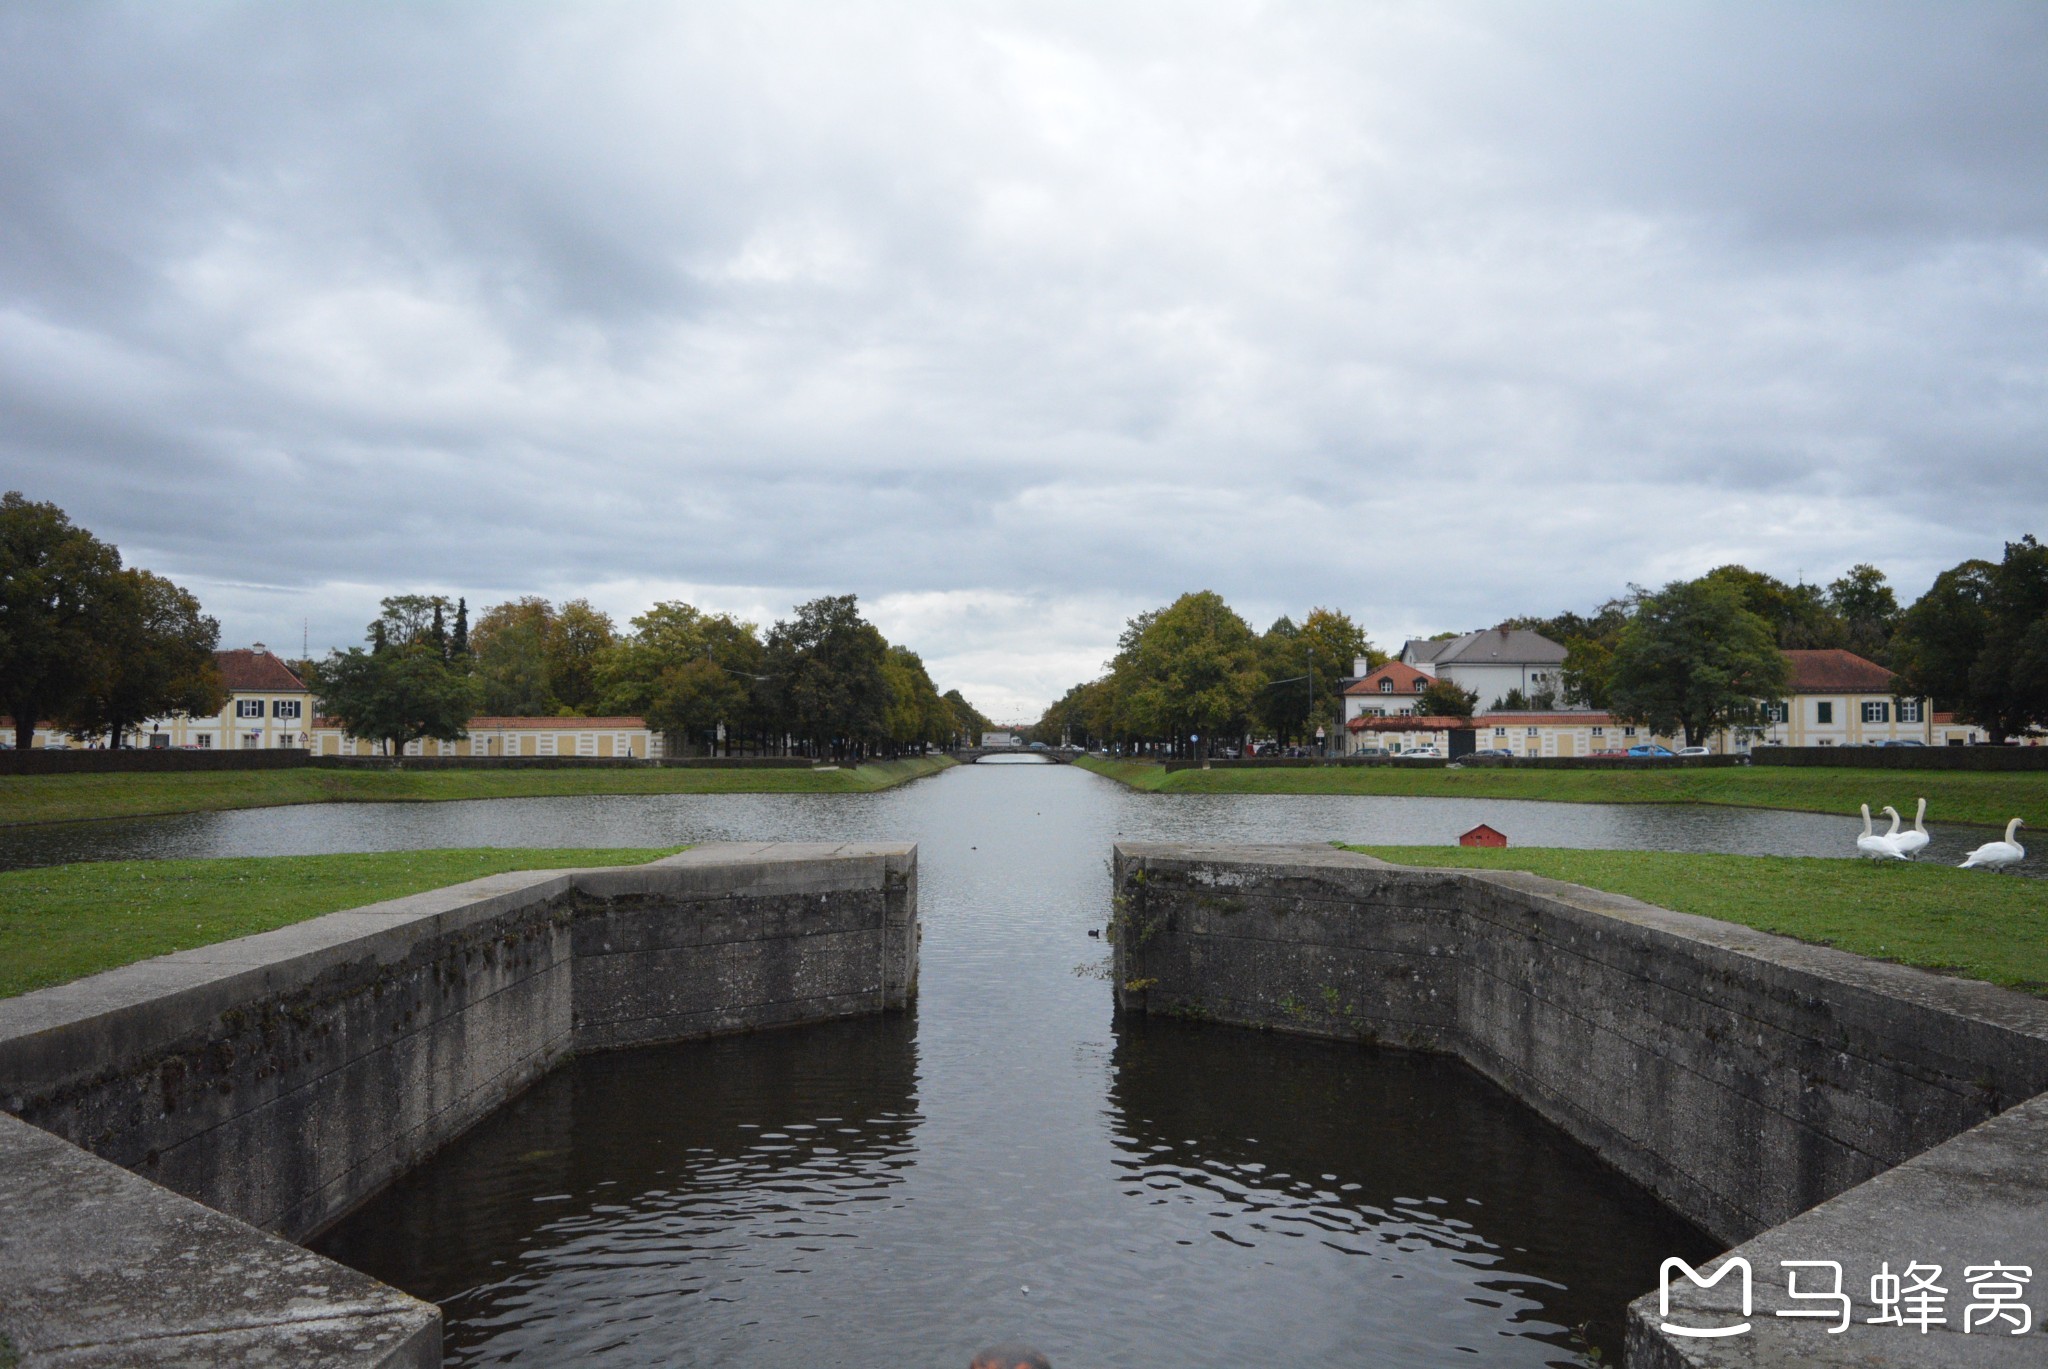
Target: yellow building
<point>268,707</point>
<point>1838,698</point>
<point>590,737</point>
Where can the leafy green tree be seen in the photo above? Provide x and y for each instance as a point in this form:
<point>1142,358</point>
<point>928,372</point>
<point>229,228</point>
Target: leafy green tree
<point>1281,704</point>
<point>827,684</point>
<point>1192,669</point>
<point>410,618</point>
<point>918,716</point>
<point>156,649</point>
<point>580,636</point>
<point>693,698</point>
<point>1977,641</point>
<point>1799,616</point>
<point>56,581</point>
<point>509,652</point>
<point>1446,699</point>
<point>1694,659</point>
<point>969,722</point>
<point>1868,610</point>
<point>458,643</point>
<point>664,669</point>
<point>398,695</point>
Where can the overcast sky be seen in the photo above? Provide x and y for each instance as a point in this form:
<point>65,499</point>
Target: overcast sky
<point>1018,319</point>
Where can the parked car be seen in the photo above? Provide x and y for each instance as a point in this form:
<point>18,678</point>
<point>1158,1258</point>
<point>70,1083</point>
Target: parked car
<point>1694,751</point>
<point>1902,742</point>
<point>1608,755</point>
<point>1420,753</point>
<point>1489,753</point>
<point>1651,751</point>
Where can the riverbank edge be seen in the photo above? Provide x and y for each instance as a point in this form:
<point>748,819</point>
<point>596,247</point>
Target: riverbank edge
<point>1927,914</point>
<point>1807,1103</point>
<point>1842,789</point>
<point>244,1095</point>
<point>321,784</point>
<point>66,922</point>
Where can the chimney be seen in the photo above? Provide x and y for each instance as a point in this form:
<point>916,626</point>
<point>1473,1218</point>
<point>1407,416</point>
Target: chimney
<point>1360,667</point>
<point>259,647</point>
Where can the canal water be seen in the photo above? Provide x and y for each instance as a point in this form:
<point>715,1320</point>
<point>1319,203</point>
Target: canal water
<point>1007,1161</point>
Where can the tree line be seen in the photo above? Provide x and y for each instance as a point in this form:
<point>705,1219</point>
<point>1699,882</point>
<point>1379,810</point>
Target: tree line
<point>1700,655</point>
<point>824,682</point>
<point>1195,673</point>
<point>88,643</point>
<point>1687,660</point>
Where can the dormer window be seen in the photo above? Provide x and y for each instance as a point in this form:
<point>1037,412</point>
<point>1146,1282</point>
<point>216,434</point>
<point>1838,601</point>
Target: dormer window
<point>1386,686</point>
<point>1421,684</point>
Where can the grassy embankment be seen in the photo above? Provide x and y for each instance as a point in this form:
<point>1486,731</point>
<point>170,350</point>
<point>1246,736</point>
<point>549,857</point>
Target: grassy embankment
<point>74,798</point>
<point>61,922</point>
<point>1966,922</point>
<point>1953,796</point>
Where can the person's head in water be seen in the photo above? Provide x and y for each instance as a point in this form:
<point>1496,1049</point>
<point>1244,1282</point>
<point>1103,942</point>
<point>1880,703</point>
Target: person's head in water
<point>1010,1357</point>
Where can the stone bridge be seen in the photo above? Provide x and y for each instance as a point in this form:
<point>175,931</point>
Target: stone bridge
<point>968,755</point>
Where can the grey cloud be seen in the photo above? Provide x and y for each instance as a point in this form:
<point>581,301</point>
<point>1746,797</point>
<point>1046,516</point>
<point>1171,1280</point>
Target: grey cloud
<point>1431,312</point>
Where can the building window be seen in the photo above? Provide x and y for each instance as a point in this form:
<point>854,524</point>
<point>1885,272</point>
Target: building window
<point>1532,731</point>
<point>1777,711</point>
<point>1386,686</point>
<point>1628,731</point>
<point>203,740</point>
<point>1909,710</point>
<point>1599,731</point>
<point>1824,712</point>
<point>1876,711</point>
<point>248,708</point>
<point>284,708</point>
<point>1421,685</point>
<point>1500,731</point>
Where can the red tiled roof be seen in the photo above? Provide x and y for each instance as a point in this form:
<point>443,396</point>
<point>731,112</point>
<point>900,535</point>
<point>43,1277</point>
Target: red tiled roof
<point>1428,722</point>
<point>1944,719</point>
<point>243,669</point>
<point>1834,671</point>
<point>1407,680</point>
<point>1550,719</point>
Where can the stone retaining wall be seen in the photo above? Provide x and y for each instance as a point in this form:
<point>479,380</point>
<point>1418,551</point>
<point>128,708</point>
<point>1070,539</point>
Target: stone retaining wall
<point>1744,1078</point>
<point>281,1079</point>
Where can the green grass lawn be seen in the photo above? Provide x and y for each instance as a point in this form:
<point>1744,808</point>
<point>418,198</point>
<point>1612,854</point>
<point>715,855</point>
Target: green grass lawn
<point>1953,796</point>
<point>66,921</point>
<point>73,798</point>
<point>1966,922</point>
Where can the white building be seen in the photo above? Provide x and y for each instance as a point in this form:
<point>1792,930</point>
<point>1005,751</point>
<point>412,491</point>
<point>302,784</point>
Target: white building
<point>1492,663</point>
<point>1392,691</point>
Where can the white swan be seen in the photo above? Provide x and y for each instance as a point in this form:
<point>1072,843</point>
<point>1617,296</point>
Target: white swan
<point>1910,842</point>
<point>1874,846</point>
<point>1996,855</point>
